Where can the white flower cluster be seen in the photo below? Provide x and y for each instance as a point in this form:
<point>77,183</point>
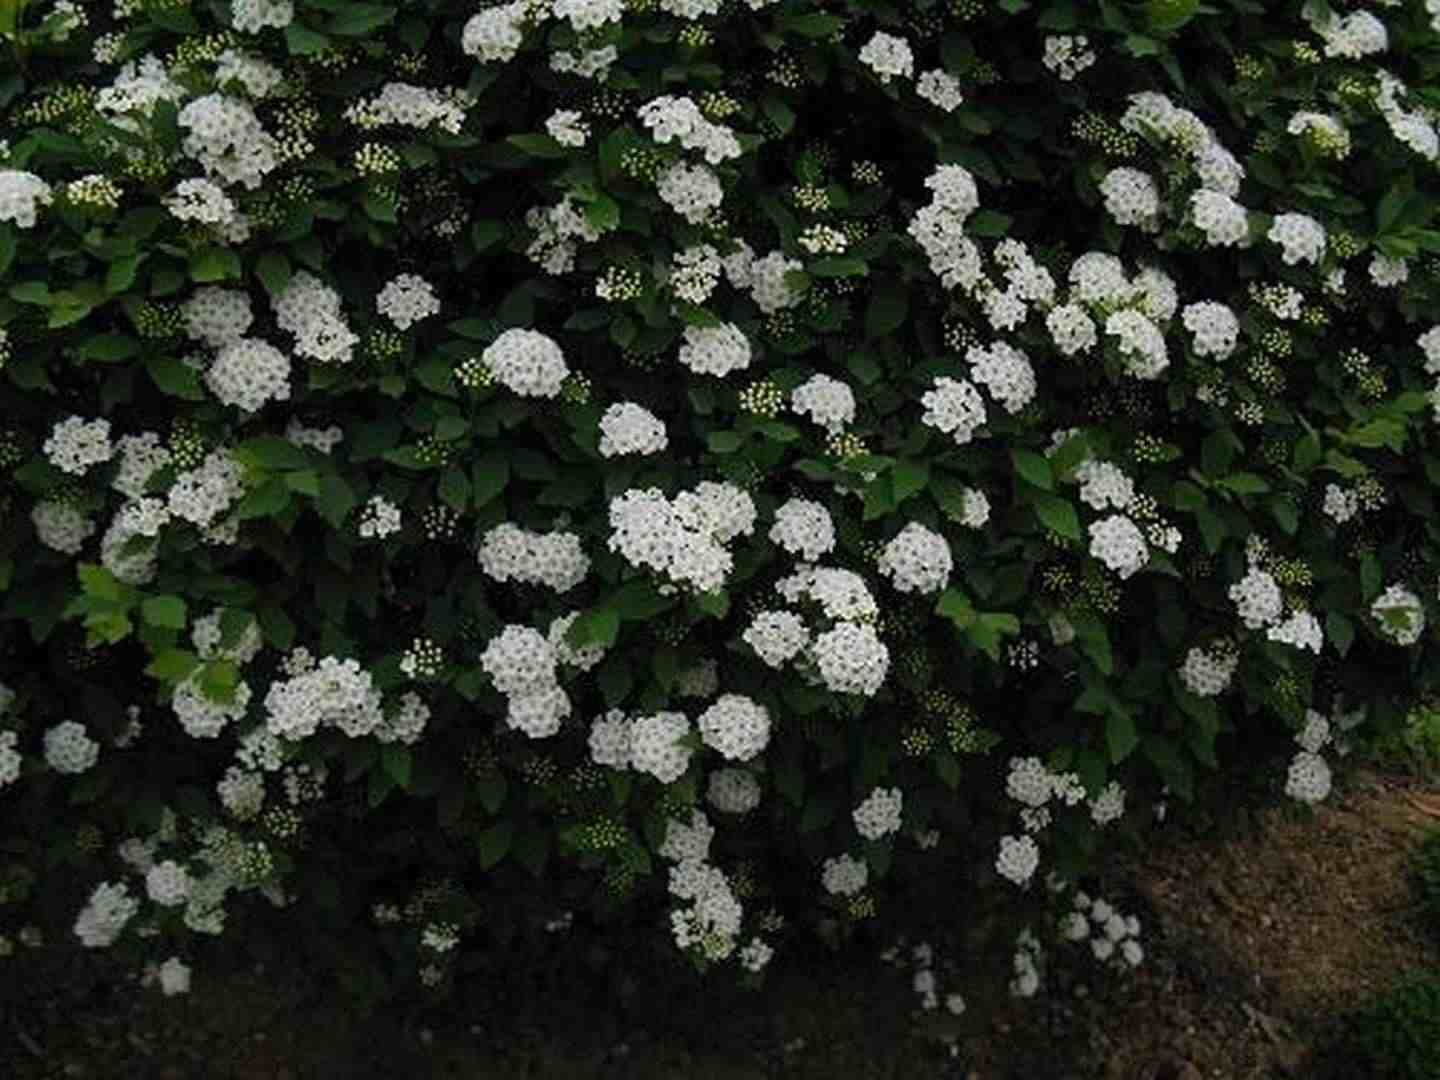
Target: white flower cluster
<point>851,658</point>
<point>711,921</point>
<point>1224,221</point>
<point>68,749</point>
<point>803,528</point>
<point>1114,936</point>
<point>252,16</point>
<point>679,118</point>
<point>777,637</point>
<point>202,494</point>
<point>841,594</point>
<point>879,814</point>
<point>311,311</point>
<point>628,428</point>
<point>527,362</point>
<point>1132,198</point>
<point>1257,598</point>
<point>216,316</point>
<point>75,444</point>
<point>511,553</point>
<point>336,693</point>
<point>736,726</point>
<point>1141,344</point>
<point>733,791</point>
<point>406,299</point>
<point>379,518</point>
<point>1154,115</point>
<point>496,33</point>
<point>411,106</point>
<point>1215,327</point>
<point>1018,859</point>
<point>765,278</point>
<point>567,127</point>
<point>683,538</point>
<point>715,350</point>
<point>1301,630</point>
<point>1109,805</point>
<point>249,372</point>
<point>1006,372</point>
<point>588,14</point>
<point>21,196</point>
<point>888,56</point>
<point>694,273</point>
<point>1103,485</point>
<point>558,230</point>
<point>522,663</point>
<point>1414,129</point>
<point>1119,544</point>
<point>202,201</point>
<point>692,191</point>
<point>1325,132</point>
<point>1302,237</point>
<point>656,747</point>
<point>226,137</point>
<point>10,759</point>
<point>167,883</point>
<point>61,526</point>
<point>321,439</point>
<point>938,227</point>
<point>259,78</point>
<point>941,89</point>
<point>1309,778</point>
<point>1399,615</point>
<point>1389,272</point>
<point>1353,36</point>
<point>1066,55</point>
<point>844,875</point>
<point>917,560</point>
<point>104,916</point>
<point>1207,672</point>
<point>955,407</point>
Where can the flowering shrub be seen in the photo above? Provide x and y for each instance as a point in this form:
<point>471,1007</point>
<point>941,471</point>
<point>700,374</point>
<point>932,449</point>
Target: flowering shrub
<point>462,462</point>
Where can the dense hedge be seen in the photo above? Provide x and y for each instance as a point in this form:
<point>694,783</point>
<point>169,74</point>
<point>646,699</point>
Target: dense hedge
<point>465,465</point>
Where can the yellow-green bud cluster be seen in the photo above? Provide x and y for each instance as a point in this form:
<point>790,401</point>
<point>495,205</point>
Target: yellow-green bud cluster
<point>94,192</point>
<point>377,159</point>
<point>717,105</point>
<point>762,398</point>
<point>642,163</point>
<point>282,822</point>
<point>811,197</point>
<point>187,444</point>
<point>575,390</point>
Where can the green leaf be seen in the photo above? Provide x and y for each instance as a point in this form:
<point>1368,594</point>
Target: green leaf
<point>778,113</point>
<point>638,600</point>
<point>909,478</point>
<point>489,478</point>
<point>598,626</point>
<point>541,146</point>
<point>814,26</point>
<point>273,452</point>
<point>167,612</point>
<point>9,244</point>
<point>1094,641</point>
<point>1244,483</point>
<point>215,264</point>
<point>1034,468</point>
<point>888,309</point>
<point>1340,631</point>
<point>395,760</point>
<point>173,665</point>
<point>955,606</point>
<point>1056,514</point>
<point>492,789</point>
<point>303,41</point>
<point>121,273</point>
<point>336,500</point>
<point>356,20</point>
<point>989,223</point>
<point>1370,576</point>
<point>838,266</point>
<point>603,213</point>
<point>724,442</point>
<point>109,348</point>
<point>1120,735</point>
<point>273,270</point>
<point>454,488</point>
<point>270,498</point>
<point>494,843</point>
